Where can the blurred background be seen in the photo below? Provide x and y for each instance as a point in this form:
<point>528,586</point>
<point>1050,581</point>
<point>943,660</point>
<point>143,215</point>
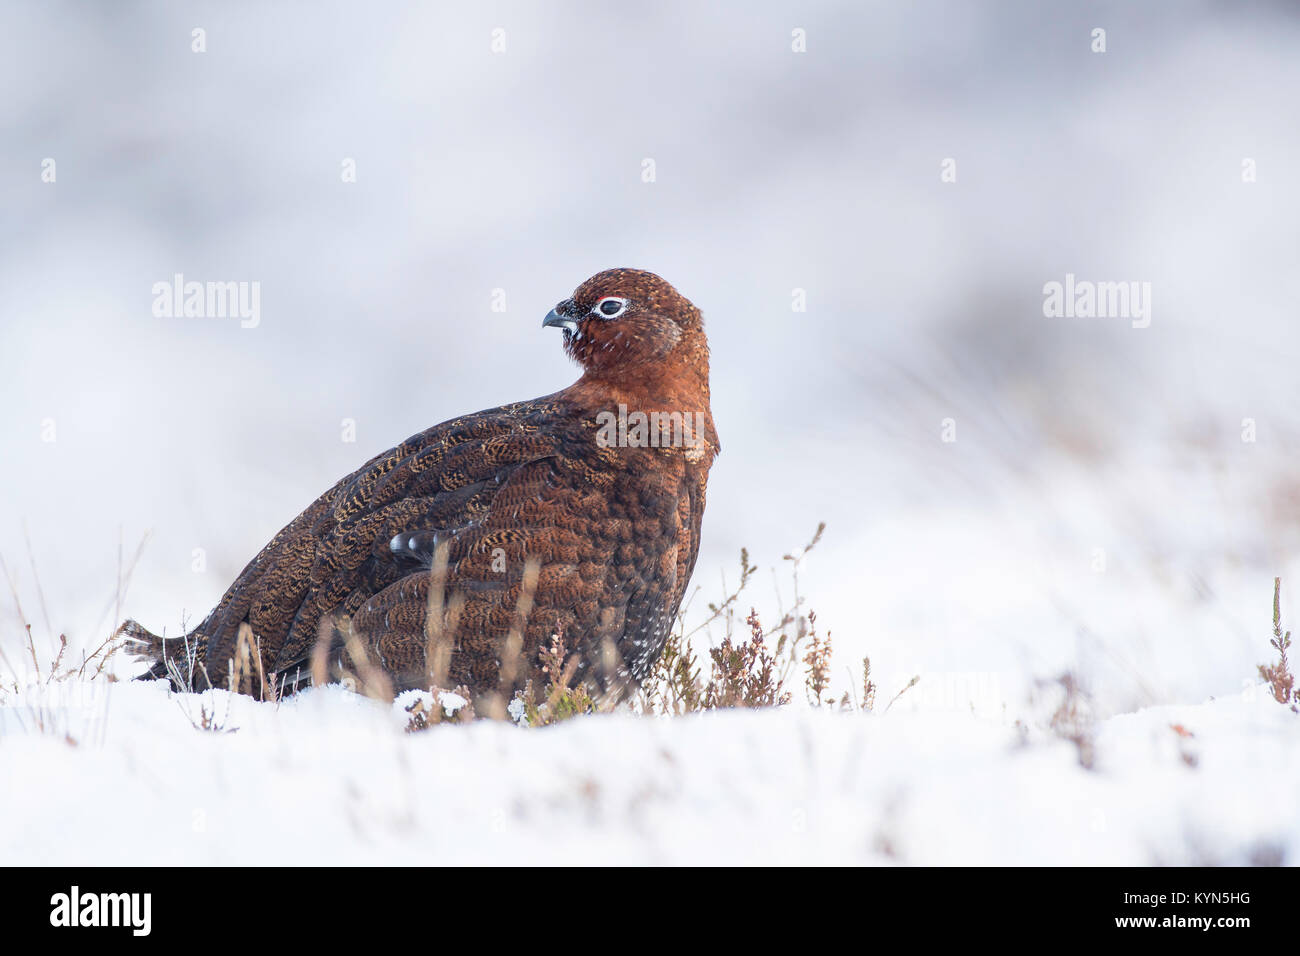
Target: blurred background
<point>1098,511</point>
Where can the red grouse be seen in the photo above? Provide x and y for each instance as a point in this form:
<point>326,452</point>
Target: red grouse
<point>462,553</point>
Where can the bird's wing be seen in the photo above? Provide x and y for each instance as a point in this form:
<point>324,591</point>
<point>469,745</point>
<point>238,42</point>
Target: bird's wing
<point>337,553</point>
<point>471,585</point>
<point>612,543</point>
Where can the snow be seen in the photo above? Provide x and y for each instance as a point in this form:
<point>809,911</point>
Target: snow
<point>411,701</point>
<point>329,777</point>
<point>1104,510</point>
<point>451,702</point>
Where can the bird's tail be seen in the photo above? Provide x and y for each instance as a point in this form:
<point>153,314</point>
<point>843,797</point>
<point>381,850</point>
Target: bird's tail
<point>177,659</point>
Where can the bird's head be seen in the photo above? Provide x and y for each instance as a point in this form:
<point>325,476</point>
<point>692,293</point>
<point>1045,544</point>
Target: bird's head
<point>629,323</point>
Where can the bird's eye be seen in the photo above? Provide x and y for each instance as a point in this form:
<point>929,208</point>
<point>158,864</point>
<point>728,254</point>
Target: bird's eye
<point>611,307</point>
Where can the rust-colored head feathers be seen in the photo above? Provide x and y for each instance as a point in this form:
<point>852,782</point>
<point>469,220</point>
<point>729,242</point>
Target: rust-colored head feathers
<point>462,554</point>
<point>631,323</point>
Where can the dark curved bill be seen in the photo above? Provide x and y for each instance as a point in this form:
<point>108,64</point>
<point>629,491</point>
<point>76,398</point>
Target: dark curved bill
<point>561,321</point>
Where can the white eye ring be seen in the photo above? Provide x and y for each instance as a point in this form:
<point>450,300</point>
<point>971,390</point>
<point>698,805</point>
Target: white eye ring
<point>599,308</point>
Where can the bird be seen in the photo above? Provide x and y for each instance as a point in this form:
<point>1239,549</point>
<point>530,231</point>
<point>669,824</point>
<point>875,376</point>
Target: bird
<point>467,554</point>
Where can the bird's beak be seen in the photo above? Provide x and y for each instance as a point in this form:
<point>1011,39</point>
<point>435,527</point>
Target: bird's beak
<point>557,317</point>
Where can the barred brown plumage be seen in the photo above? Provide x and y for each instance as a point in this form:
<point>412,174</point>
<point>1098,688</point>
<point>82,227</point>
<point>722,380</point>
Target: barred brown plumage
<point>582,508</point>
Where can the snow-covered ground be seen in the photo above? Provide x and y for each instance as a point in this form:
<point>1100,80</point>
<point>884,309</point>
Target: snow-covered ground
<point>1116,503</point>
<point>330,777</point>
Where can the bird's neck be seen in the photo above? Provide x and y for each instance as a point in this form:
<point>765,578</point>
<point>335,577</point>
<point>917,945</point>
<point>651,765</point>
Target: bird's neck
<point>687,390</point>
